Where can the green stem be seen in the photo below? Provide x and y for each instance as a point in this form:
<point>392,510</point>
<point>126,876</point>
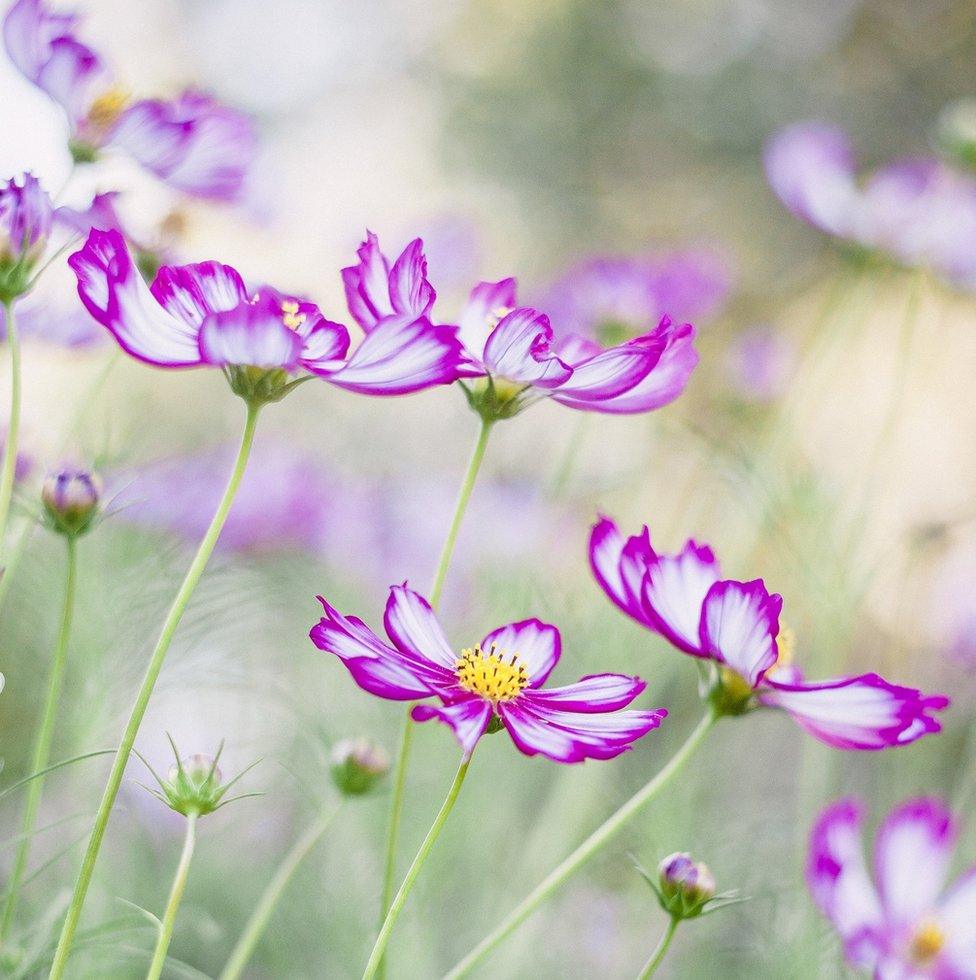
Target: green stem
<point>261,915</point>
<point>173,618</point>
<point>587,849</point>
<point>9,467</point>
<point>175,897</point>
<point>45,734</point>
<point>660,950</point>
<point>379,948</point>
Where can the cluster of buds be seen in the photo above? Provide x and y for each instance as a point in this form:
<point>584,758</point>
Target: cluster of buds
<point>357,766</point>
<point>26,217</point>
<point>71,499</point>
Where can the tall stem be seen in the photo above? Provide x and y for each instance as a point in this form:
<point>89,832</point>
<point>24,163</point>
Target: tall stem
<point>261,915</point>
<point>379,948</point>
<point>45,734</point>
<point>660,950</point>
<point>587,849</point>
<point>173,618</point>
<point>8,468</point>
<point>175,897</point>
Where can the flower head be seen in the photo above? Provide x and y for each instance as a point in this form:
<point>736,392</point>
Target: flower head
<point>357,766</point>
<point>26,217</point>
<point>736,626</point>
<point>71,500</point>
<point>685,886</point>
<point>907,924</point>
<point>202,315</point>
<point>493,684</point>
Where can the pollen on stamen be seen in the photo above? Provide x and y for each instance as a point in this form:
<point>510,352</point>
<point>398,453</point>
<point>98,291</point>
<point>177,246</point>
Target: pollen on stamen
<point>927,942</point>
<point>290,316</point>
<point>108,107</point>
<point>491,674</point>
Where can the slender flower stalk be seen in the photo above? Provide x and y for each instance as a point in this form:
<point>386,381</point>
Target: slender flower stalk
<point>607,830</point>
<point>42,747</point>
<point>650,967</point>
<point>173,618</point>
<point>268,902</point>
<point>175,897</point>
<point>379,948</point>
<point>9,465</point>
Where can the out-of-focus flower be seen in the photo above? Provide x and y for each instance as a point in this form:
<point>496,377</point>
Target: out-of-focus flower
<point>512,355</point>
<point>71,498</point>
<point>955,132</point>
<point>357,766</point>
<point>918,211</point>
<point>908,924</point>
<point>24,465</point>
<point>493,685</point>
<point>736,626</point>
<point>195,315</point>
<point>194,144</point>
<point>759,362</point>
<point>26,217</point>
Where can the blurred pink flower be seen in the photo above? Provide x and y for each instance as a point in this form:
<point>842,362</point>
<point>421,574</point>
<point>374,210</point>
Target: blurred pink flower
<point>759,362</point>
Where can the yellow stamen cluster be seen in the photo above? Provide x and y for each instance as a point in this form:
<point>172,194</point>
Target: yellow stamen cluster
<point>490,675</point>
<point>927,942</point>
<point>290,316</point>
<point>108,107</point>
<point>496,315</point>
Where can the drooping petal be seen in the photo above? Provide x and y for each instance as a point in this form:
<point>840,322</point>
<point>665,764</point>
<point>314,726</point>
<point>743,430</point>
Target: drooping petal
<point>116,296</point>
<point>193,292</point>
<point>400,355</point>
<point>413,627</point>
<point>595,692</point>
<point>838,880</point>
<point>411,293</point>
<point>739,626</point>
<point>619,565</point>
<point>957,917</point>
<point>518,349</point>
<point>912,851</point>
<point>251,334</point>
<point>469,718</point>
<point>487,304</point>
<point>537,644</point>
<point>367,284</point>
<point>864,712</point>
<point>674,590</point>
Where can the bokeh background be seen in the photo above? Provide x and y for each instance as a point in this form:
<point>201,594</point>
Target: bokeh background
<point>516,138</point>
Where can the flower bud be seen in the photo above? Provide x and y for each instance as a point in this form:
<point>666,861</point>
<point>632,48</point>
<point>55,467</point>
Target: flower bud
<point>686,886</point>
<point>357,766</point>
<point>194,785</point>
<point>26,216</point>
<point>955,132</point>
<point>71,498</point>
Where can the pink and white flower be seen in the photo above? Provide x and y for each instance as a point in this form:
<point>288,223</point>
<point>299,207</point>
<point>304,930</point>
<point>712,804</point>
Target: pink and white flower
<point>736,626</point>
<point>497,683</point>
<point>908,926</point>
<point>202,315</point>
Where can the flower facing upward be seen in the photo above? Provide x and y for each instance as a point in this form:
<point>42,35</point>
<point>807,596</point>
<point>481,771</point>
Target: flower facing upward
<point>202,314</point>
<point>908,925</point>
<point>26,217</point>
<point>513,357</point>
<point>736,626</point>
<point>495,684</point>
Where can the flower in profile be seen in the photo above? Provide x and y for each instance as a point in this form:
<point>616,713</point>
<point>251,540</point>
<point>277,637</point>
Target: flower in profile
<point>194,144</point>
<point>736,626</point>
<point>513,356</point>
<point>202,315</point>
<point>908,924</point>
<point>916,210</point>
<point>495,684</point>
<point>71,498</point>
<point>26,218</point>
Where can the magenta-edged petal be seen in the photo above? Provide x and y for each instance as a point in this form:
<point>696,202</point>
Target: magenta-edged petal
<point>413,627</point>
<point>101,213</point>
<point>193,292</point>
<point>838,881</point>
<point>957,916</point>
<point>518,349</point>
<point>537,644</point>
<point>593,693</point>
<point>468,718</point>
<point>399,356</point>
<point>569,736</point>
<point>251,334</point>
<point>864,712</point>
<point>912,851</point>
<point>411,293</point>
<point>324,346</point>
<point>674,590</point>
<point>367,284</point>
<point>487,304</point>
<point>619,565</point>
<point>116,296</point>
<point>739,626</point>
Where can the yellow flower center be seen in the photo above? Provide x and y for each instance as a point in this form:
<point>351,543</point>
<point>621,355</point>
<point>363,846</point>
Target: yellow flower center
<point>290,316</point>
<point>496,315</point>
<point>927,942</point>
<point>490,675</point>
<point>108,107</point>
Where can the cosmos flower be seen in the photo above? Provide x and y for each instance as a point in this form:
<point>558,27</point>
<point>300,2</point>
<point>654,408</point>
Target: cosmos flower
<point>908,925</point>
<point>759,361</point>
<point>495,684</point>
<point>512,353</point>
<point>191,142</point>
<point>916,210</point>
<point>202,314</point>
<point>736,626</point>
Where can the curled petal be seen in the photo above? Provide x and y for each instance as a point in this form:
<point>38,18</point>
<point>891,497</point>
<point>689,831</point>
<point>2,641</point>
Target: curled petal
<point>413,627</point>
<point>367,285</point>
<point>518,349</point>
<point>324,346</point>
<point>469,719</point>
<point>251,334</point>
<point>487,304</point>
<point>537,644</point>
<point>619,565</point>
<point>411,293</point>
<point>596,692</point>
<point>610,373</point>
<point>193,292</point>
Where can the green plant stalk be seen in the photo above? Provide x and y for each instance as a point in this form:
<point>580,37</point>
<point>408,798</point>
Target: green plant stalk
<point>172,621</point>
<point>379,948</point>
<point>258,922</point>
<point>175,897</point>
<point>8,468</point>
<point>406,737</point>
<point>45,735</point>
<point>650,967</point>
<point>587,849</point>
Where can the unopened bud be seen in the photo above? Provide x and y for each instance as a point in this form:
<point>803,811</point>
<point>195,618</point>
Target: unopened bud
<point>71,498</point>
<point>686,885</point>
<point>955,132</point>
<point>358,765</point>
<point>26,215</point>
